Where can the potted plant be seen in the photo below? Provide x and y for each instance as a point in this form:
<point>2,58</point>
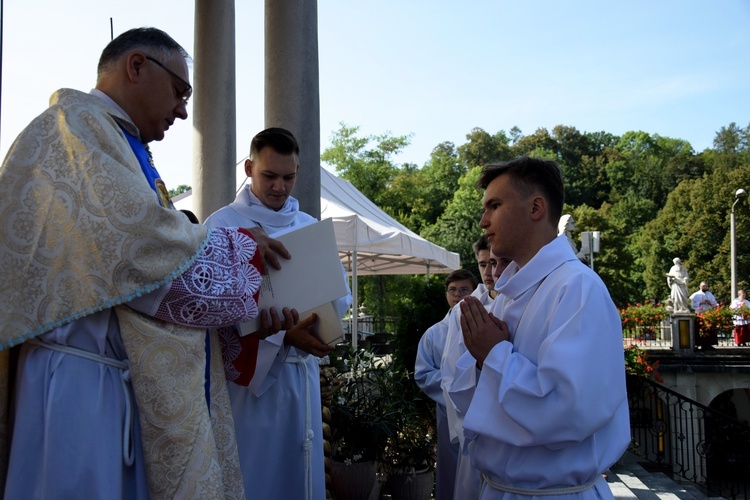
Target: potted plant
<point>637,364</point>
<point>361,421</point>
<point>711,323</point>
<point>408,459</point>
<point>380,417</point>
<point>642,321</point>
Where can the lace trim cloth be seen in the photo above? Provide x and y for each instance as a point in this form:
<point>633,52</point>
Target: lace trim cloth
<point>220,288</point>
<point>240,355</point>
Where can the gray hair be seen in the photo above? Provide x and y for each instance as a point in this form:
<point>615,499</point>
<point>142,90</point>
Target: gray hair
<point>152,40</point>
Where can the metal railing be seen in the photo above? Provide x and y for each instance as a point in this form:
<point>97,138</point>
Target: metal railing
<point>689,440</point>
<point>372,325</point>
<point>375,332</point>
<point>660,336</point>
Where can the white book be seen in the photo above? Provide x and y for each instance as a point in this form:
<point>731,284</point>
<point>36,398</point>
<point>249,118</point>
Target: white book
<point>309,282</point>
<point>330,328</point>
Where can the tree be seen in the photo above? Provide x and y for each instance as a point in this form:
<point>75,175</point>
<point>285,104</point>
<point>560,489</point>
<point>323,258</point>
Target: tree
<point>178,190</point>
<point>694,225</point>
<point>370,168</point>
<point>458,227</point>
<point>614,262</point>
<point>515,135</point>
<point>438,179</point>
<point>584,171</point>
<point>483,148</point>
<point>539,140</point>
<point>731,139</point>
<point>732,146</point>
<point>651,197</point>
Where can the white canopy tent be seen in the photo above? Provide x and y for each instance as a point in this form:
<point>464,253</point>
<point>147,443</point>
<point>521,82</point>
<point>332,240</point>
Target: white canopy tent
<point>369,240</point>
<point>372,242</point>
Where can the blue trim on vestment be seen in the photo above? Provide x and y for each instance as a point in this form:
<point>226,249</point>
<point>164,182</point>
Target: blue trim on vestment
<point>144,160</point>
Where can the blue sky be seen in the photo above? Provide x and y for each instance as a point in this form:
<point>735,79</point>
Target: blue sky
<point>432,69</point>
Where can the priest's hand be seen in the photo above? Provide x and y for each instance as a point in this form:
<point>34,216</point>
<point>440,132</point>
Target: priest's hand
<point>269,248</point>
<point>304,336</point>
<point>271,322</point>
<point>481,330</point>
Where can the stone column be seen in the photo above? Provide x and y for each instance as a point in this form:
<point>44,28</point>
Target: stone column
<point>292,98</point>
<point>214,107</point>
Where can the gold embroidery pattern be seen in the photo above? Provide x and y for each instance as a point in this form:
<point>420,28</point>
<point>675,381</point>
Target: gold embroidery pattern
<point>82,231</point>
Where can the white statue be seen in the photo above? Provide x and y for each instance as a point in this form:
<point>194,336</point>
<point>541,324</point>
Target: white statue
<point>677,279</point>
<point>567,225</point>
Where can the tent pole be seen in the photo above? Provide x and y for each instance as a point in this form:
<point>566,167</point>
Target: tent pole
<point>355,311</point>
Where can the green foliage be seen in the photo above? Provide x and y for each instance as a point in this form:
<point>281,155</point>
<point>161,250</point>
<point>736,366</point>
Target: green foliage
<point>421,304</point>
<point>694,225</point>
<point>732,147</point>
<point>413,445</point>
<point>369,167</point>
<point>638,364</point>
<point>651,197</point>
<point>458,227</point>
<point>482,148</point>
<point>361,417</point>
<point>379,413</point>
<point>614,263</point>
<point>178,190</point>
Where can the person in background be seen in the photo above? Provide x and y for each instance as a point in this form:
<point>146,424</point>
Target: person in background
<point>467,477</point>
<point>741,329</point>
<point>274,376</point>
<point>458,284</point>
<point>541,386</point>
<point>702,299</point>
<point>112,292</point>
<point>485,264</point>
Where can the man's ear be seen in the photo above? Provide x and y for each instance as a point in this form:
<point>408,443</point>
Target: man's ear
<point>538,207</point>
<point>248,167</point>
<point>134,63</point>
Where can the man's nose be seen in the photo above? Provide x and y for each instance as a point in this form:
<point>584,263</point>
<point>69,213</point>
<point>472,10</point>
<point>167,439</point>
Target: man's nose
<point>484,222</point>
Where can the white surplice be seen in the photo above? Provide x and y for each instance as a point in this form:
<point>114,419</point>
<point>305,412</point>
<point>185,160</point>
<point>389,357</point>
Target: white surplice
<point>549,408</point>
<point>467,480</point>
<point>278,416</point>
<point>427,376</point>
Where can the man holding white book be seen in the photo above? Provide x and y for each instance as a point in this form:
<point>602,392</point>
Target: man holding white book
<point>274,376</point>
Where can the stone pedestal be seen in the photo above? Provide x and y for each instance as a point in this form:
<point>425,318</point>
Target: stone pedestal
<point>683,332</point>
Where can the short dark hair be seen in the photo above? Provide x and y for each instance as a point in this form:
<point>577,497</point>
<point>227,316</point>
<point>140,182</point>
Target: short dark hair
<point>190,215</point>
<point>279,139</point>
<point>461,274</point>
<point>153,40</point>
<point>527,174</point>
<point>481,244</point>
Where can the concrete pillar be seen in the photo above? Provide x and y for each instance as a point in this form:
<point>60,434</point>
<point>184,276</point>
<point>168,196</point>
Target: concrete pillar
<point>214,107</point>
<point>292,99</point>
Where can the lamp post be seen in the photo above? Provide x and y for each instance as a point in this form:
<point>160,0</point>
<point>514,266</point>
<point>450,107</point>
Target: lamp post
<point>733,233</point>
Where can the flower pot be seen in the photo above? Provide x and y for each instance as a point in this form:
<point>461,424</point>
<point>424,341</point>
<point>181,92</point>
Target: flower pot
<point>352,481</point>
<point>411,486</point>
